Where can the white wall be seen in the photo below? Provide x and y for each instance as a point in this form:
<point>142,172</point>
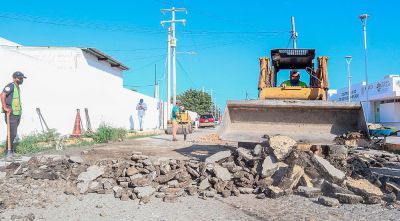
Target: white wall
<point>59,88</point>
<point>389,112</point>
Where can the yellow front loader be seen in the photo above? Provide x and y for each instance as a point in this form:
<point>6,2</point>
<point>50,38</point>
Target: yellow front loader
<point>184,124</point>
<point>303,114</point>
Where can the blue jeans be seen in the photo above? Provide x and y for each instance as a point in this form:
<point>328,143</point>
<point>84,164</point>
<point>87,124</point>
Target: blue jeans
<point>141,122</point>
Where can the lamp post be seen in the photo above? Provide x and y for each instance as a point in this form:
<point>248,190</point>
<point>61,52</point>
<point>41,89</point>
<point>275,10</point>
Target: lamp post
<point>348,61</point>
<point>364,18</point>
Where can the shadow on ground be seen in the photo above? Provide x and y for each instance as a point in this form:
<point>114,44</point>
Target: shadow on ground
<point>160,138</point>
<point>201,152</point>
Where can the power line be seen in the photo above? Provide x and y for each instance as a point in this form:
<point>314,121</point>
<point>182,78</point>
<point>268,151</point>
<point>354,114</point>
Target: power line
<point>145,57</point>
<point>147,85</point>
<point>134,49</point>
<point>186,73</point>
<point>63,22</point>
<point>119,28</point>
<point>235,32</point>
<point>146,65</point>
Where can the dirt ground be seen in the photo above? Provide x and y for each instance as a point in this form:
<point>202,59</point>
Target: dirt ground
<point>245,207</point>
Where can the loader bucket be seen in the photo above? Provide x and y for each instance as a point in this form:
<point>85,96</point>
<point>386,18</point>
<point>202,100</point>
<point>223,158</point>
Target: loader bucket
<point>306,121</point>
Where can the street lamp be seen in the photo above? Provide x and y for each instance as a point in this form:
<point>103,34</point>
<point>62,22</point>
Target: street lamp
<point>364,18</point>
<point>348,61</point>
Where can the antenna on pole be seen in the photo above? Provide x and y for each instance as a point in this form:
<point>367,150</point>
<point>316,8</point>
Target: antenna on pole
<point>294,34</point>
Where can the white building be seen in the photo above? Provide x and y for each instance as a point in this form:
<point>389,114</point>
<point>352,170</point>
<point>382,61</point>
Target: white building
<point>383,96</point>
<point>61,80</point>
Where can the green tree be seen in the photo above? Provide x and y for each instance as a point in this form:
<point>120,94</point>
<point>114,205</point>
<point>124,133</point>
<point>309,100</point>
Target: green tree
<point>196,100</point>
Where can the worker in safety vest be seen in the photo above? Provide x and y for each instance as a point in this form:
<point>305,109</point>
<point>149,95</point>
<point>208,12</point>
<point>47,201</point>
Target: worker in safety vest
<point>294,80</point>
<point>11,104</point>
<point>174,118</point>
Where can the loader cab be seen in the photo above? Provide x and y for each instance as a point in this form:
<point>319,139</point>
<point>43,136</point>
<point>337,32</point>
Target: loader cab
<point>284,60</point>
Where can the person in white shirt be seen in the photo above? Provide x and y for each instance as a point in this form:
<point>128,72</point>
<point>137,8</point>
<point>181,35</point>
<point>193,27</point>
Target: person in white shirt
<point>141,107</point>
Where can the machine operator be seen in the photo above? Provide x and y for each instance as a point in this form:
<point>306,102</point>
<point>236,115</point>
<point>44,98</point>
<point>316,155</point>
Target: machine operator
<point>294,80</point>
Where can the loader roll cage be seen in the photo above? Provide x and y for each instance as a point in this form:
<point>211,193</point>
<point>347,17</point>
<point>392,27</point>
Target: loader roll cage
<point>290,59</point>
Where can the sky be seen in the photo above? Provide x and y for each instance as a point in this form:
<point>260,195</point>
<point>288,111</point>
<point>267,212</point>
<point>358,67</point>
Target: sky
<point>219,47</point>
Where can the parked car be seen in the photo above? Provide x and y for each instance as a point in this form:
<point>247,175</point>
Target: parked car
<point>206,120</point>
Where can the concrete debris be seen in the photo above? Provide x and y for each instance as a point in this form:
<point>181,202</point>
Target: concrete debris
<point>209,194</point>
<point>329,189</point>
<point>170,199</point>
<point>226,193</point>
<point>393,188</point>
<point>244,190</point>
<point>353,139</point>
<point>117,191</point>
<point>222,173</point>
<point>218,156</point>
<point>309,192</point>
<point>144,200</point>
<point>244,154</point>
<point>333,174</point>
<point>132,171</point>
<point>270,166</point>
<point>390,198</point>
<point>306,181</point>
<point>261,196</point>
<point>76,159</point>
<point>144,191</point>
<point>274,171</point>
<point>281,146</point>
<point>91,173</point>
<point>348,198</point>
<point>370,193</point>
<point>292,178</point>
<point>71,190</point>
<point>257,150</point>
<point>3,175</point>
<point>204,184</point>
<point>327,201</point>
<point>274,192</point>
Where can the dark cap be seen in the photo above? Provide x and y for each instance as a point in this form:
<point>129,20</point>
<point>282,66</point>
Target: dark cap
<point>294,72</point>
<point>18,74</point>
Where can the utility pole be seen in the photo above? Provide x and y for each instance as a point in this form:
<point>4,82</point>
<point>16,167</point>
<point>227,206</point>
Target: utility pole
<point>364,18</point>
<point>169,74</point>
<point>172,45</point>
<point>211,94</point>
<point>247,95</point>
<point>294,34</point>
<point>157,96</point>
<point>348,61</point>
<point>155,82</point>
<point>215,107</point>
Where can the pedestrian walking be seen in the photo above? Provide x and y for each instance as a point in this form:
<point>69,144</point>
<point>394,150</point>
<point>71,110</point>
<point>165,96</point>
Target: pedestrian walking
<point>141,107</point>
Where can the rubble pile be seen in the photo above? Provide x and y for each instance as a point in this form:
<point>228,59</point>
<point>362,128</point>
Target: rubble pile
<point>272,169</point>
<point>353,139</point>
<point>211,139</point>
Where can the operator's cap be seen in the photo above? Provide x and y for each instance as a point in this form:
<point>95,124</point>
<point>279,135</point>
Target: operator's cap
<point>18,74</point>
<point>294,72</point>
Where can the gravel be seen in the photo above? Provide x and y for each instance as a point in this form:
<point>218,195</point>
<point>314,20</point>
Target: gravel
<point>245,207</point>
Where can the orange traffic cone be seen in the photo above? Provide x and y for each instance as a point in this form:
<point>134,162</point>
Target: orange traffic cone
<point>77,126</point>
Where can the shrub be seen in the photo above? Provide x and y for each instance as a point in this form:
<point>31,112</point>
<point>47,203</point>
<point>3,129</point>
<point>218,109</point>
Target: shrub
<point>107,133</point>
<point>37,142</point>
